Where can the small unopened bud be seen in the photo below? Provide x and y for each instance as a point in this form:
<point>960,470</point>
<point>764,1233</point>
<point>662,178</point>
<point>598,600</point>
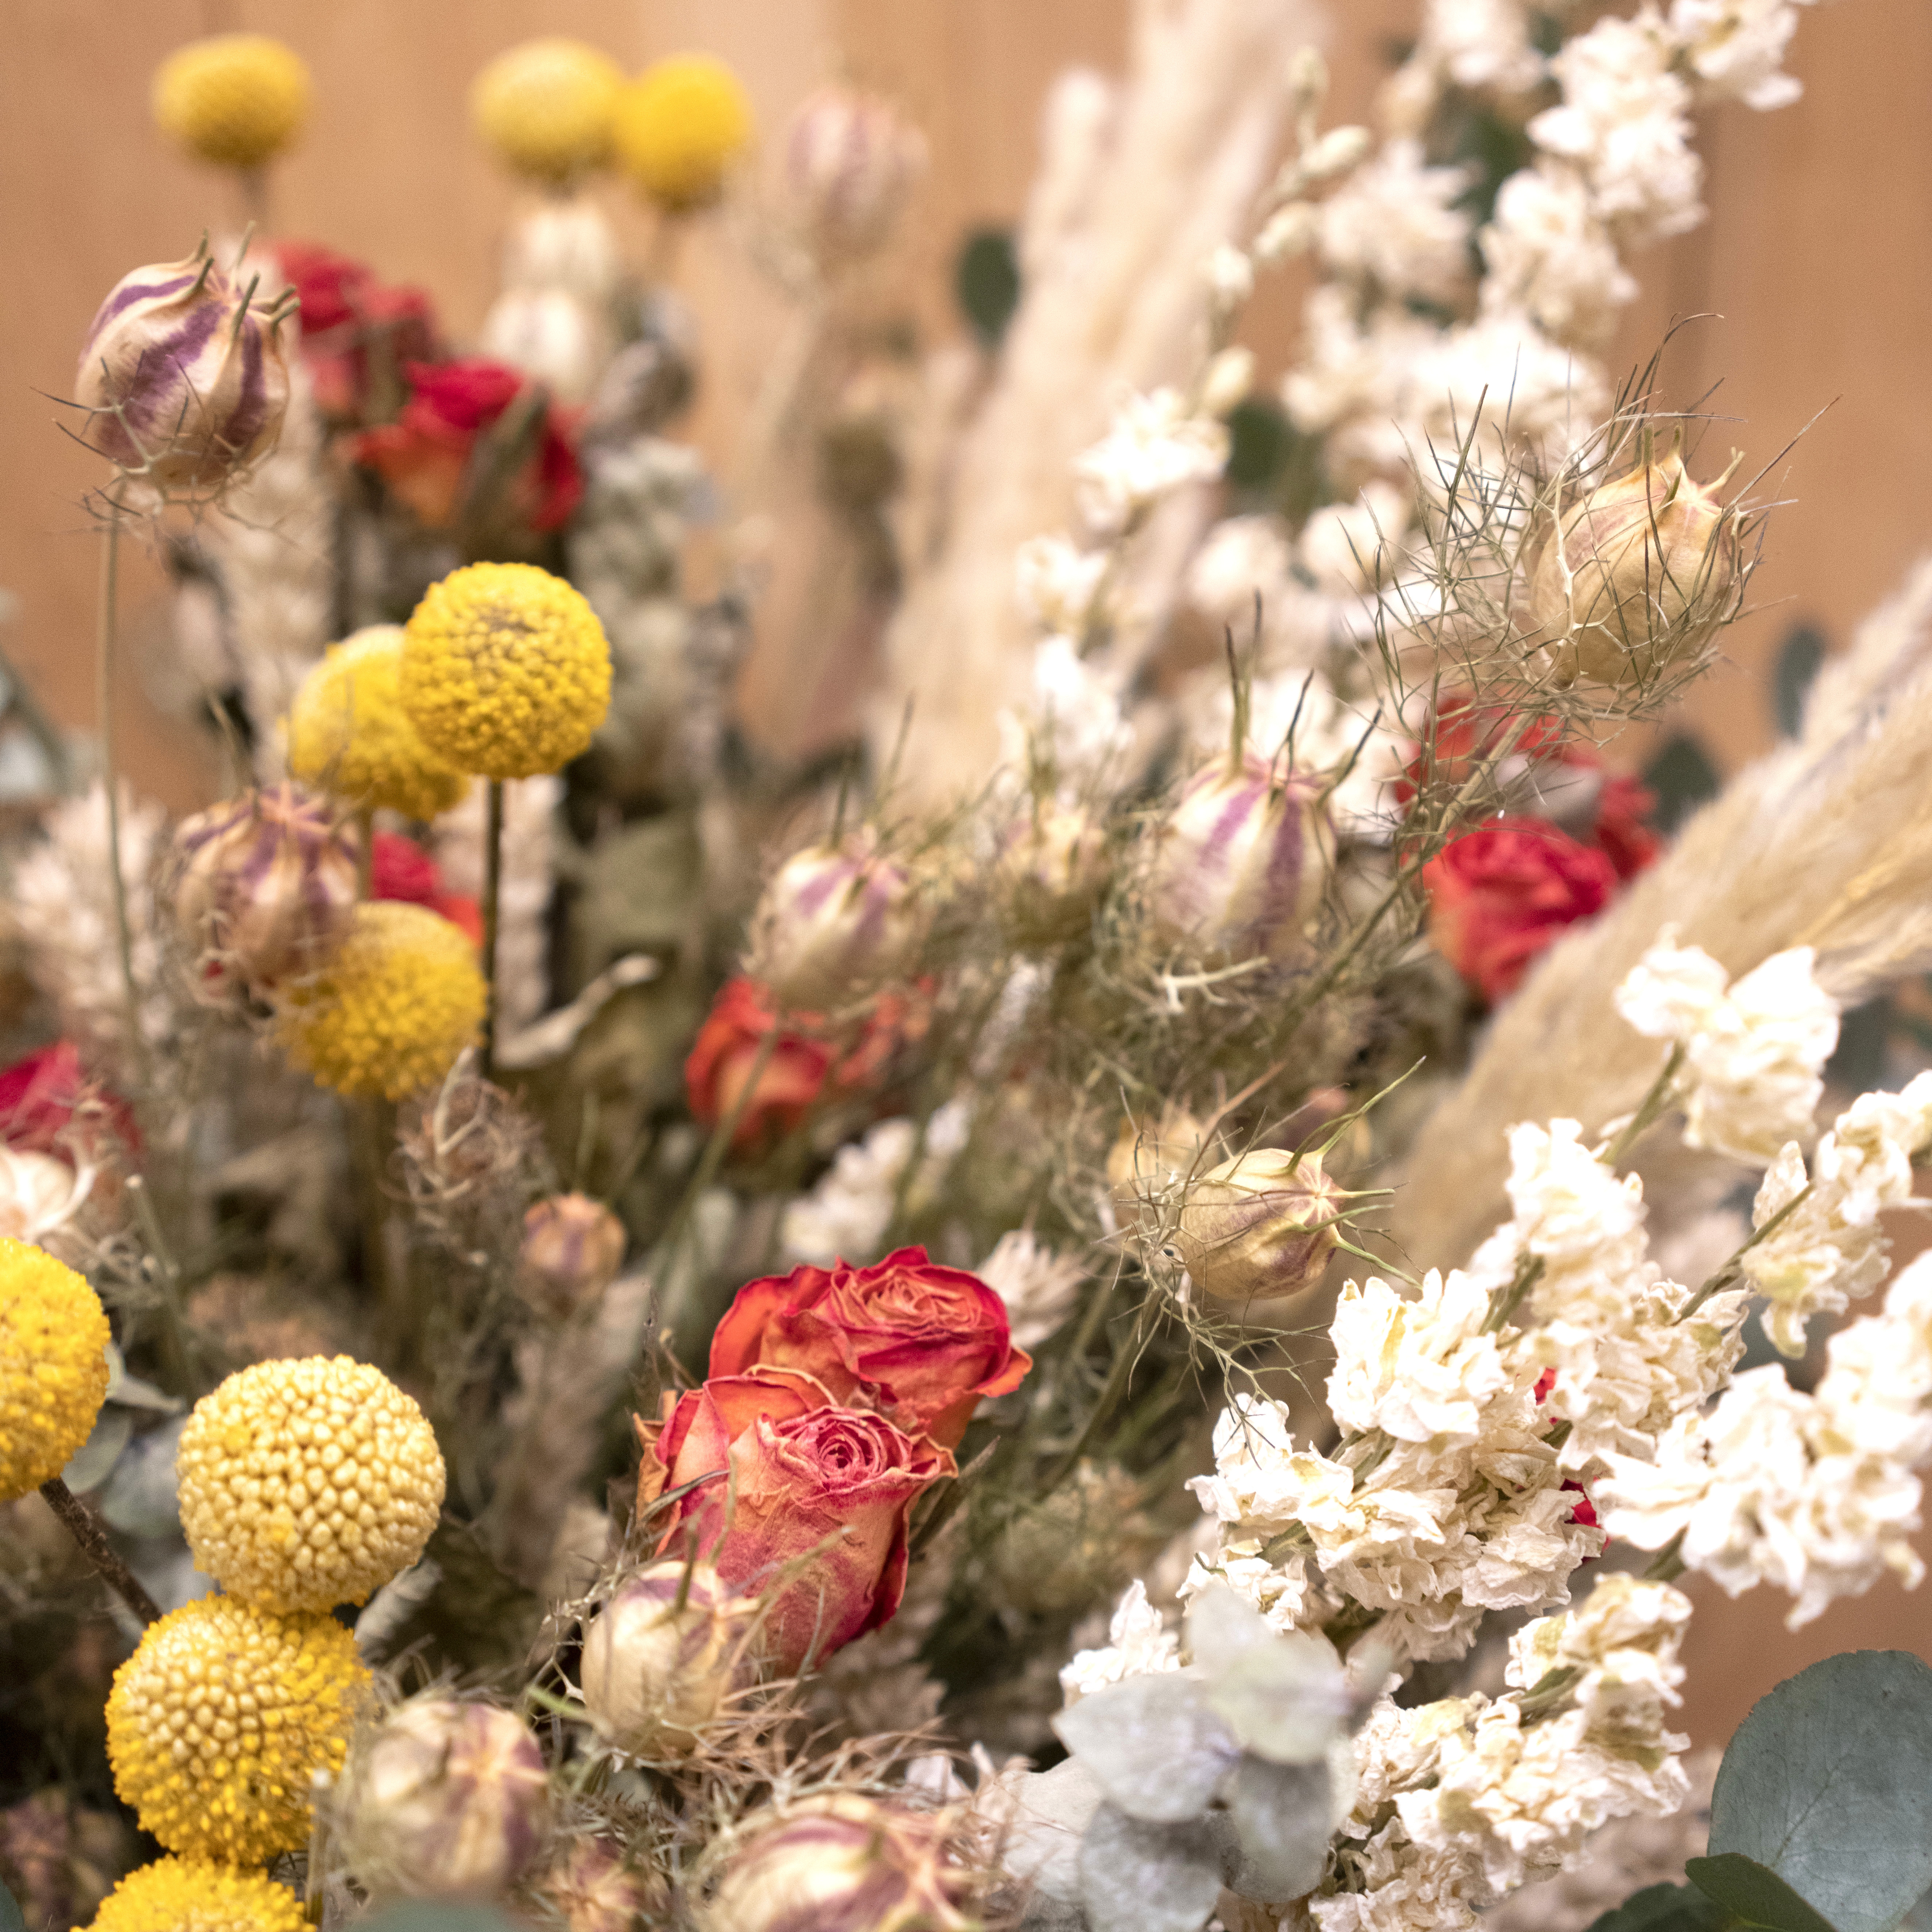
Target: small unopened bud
<point>185,373</point>
<point>1260,1226</point>
<point>1240,863</point>
<point>851,160</point>
<point>840,1862</point>
<point>1335,153</point>
<point>1641,574</point>
<point>444,1797</point>
<point>1051,870</point>
<point>1150,1163</point>
<point>662,1657</point>
<point>835,923</point>
<point>594,1887</point>
<point>1291,230</point>
<point>573,1247</point>
<point>264,889</point>
<point>1229,378</point>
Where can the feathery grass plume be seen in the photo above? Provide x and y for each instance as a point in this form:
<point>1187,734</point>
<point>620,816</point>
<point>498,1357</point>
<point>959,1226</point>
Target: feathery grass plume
<point>1827,842</point>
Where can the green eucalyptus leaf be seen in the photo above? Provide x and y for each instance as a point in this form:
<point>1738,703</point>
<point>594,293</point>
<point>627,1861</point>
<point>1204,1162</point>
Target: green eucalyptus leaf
<point>1799,659</point>
<point>986,280</point>
<point>1286,1700</point>
<point>87,1468</point>
<point>1136,1875</point>
<point>139,1498</point>
<point>1152,1744</point>
<point>1664,1908</point>
<point>1828,1784</point>
<point>12,1919</point>
<point>1754,1894</point>
<point>1282,1824</point>
<point>1683,778</point>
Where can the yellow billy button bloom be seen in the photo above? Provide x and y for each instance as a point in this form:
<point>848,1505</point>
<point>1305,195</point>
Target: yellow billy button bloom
<point>218,1723</point>
<point>53,1366</point>
<point>680,125</point>
<point>506,672</point>
<point>307,1484</point>
<point>546,107</point>
<point>401,998</point>
<point>236,99</point>
<point>350,736</point>
<point>194,1895</point>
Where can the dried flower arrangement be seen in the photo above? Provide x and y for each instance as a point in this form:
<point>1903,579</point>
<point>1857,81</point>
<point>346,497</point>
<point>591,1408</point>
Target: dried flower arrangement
<point>641,1323</point>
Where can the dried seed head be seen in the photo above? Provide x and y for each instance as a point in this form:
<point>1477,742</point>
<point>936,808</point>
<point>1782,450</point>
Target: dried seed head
<point>835,922</point>
<point>1051,870</point>
<point>851,160</point>
<point>572,1249</point>
<point>1259,1227</point>
<point>1150,1165</point>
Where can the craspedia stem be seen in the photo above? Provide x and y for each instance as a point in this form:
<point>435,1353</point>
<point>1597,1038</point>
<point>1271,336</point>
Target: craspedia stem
<point>493,887</point>
<point>104,698</point>
<point>86,1529</point>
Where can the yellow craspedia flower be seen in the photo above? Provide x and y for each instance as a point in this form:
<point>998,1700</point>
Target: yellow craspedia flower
<point>679,126</point>
<point>222,1716</point>
<point>349,734</point>
<point>194,1895</point>
<point>235,99</point>
<point>53,1366</point>
<point>546,105</point>
<point>400,999</point>
<point>505,670</point>
<point>307,1484</point>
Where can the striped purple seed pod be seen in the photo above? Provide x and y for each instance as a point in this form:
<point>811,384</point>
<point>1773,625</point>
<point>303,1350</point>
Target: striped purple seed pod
<point>264,889</point>
<point>185,374</point>
<point>851,159</point>
<point>1241,862</point>
<point>836,922</point>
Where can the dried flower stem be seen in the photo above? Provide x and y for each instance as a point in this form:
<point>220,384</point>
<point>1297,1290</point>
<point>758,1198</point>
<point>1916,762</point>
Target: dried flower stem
<point>85,1527</point>
<point>1662,1091</point>
<point>493,889</point>
<point>176,1355</point>
<point>1730,1272</point>
<point>104,657</point>
<point>365,852</point>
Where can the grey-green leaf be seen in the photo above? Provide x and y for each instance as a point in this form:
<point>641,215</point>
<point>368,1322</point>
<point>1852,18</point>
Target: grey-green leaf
<point>1152,1744</point>
<point>1663,1908</point>
<point>1138,1877</point>
<point>1221,1628</point>
<point>1755,1894</point>
<point>87,1467</point>
<point>1286,1700</point>
<point>1828,1783</point>
<point>140,1497</point>
<point>12,1919</point>
<point>1282,1826</point>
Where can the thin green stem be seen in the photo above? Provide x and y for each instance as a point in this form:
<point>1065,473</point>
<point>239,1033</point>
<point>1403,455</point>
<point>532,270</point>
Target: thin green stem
<point>177,1357</point>
<point>103,700</point>
<point>1730,1272</point>
<point>365,853</point>
<point>1650,1109</point>
<point>493,889</point>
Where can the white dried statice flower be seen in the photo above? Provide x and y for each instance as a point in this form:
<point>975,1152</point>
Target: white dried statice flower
<point>1040,1286</point>
<point>1549,255</point>
<point>1138,1644</point>
<point>1394,226</point>
<point>1754,1052</point>
<point>1155,444</point>
<point>1830,1246</point>
<point>1243,575</point>
<point>1624,120</point>
<point>1484,45</point>
<point>1349,549</point>
<point>846,1216</point>
<point>62,908</point>
<point>1417,1369</point>
<point>1075,717</point>
<point>528,881</point>
<point>1736,47</point>
<point>1231,277</point>
<point>1057,583</point>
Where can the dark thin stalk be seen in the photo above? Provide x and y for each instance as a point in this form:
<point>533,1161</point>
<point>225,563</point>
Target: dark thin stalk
<point>87,1530</point>
<point>493,888</point>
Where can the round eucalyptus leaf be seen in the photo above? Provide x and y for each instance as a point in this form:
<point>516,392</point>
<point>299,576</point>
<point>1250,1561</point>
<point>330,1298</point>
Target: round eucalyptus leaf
<point>1152,1744</point>
<point>1138,1877</point>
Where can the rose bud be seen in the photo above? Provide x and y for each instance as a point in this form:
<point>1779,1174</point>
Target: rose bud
<point>1641,574</point>
<point>835,921</point>
<point>185,374</point>
<point>1260,1226</point>
<point>850,161</point>
<point>1051,870</point>
<point>595,1888</point>
<point>444,1797</point>
<point>264,889</point>
<point>1241,862</point>
<point>573,1247</point>
<point>841,1862</point>
<point>662,1658</point>
<point>1151,1161</point>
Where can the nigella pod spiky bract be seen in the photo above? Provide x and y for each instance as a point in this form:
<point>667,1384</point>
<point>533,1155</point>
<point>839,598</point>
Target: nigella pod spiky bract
<point>1241,861</point>
<point>185,374</point>
<point>837,920</point>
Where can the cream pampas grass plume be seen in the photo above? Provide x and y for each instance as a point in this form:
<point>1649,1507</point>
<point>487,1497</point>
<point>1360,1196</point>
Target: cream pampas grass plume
<point>1826,843</point>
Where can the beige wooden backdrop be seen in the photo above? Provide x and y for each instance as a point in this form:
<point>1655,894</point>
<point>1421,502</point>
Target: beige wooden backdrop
<point>1818,259</point>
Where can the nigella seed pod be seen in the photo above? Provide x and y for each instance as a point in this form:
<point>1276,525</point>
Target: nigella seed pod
<point>836,921</point>
<point>662,1657</point>
<point>444,1798</point>
<point>1640,575</point>
<point>841,1862</point>
<point>594,1887</point>
<point>1150,1164</point>
<point>185,375</point>
<point>264,889</point>
<point>851,159</point>
<point>1240,863</point>
<point>1051,870</point>
<point>1259,1227</point>
<point>571,1250</point>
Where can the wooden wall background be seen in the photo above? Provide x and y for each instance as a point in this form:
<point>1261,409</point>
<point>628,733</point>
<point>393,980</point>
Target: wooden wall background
<point>1816,265</point>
